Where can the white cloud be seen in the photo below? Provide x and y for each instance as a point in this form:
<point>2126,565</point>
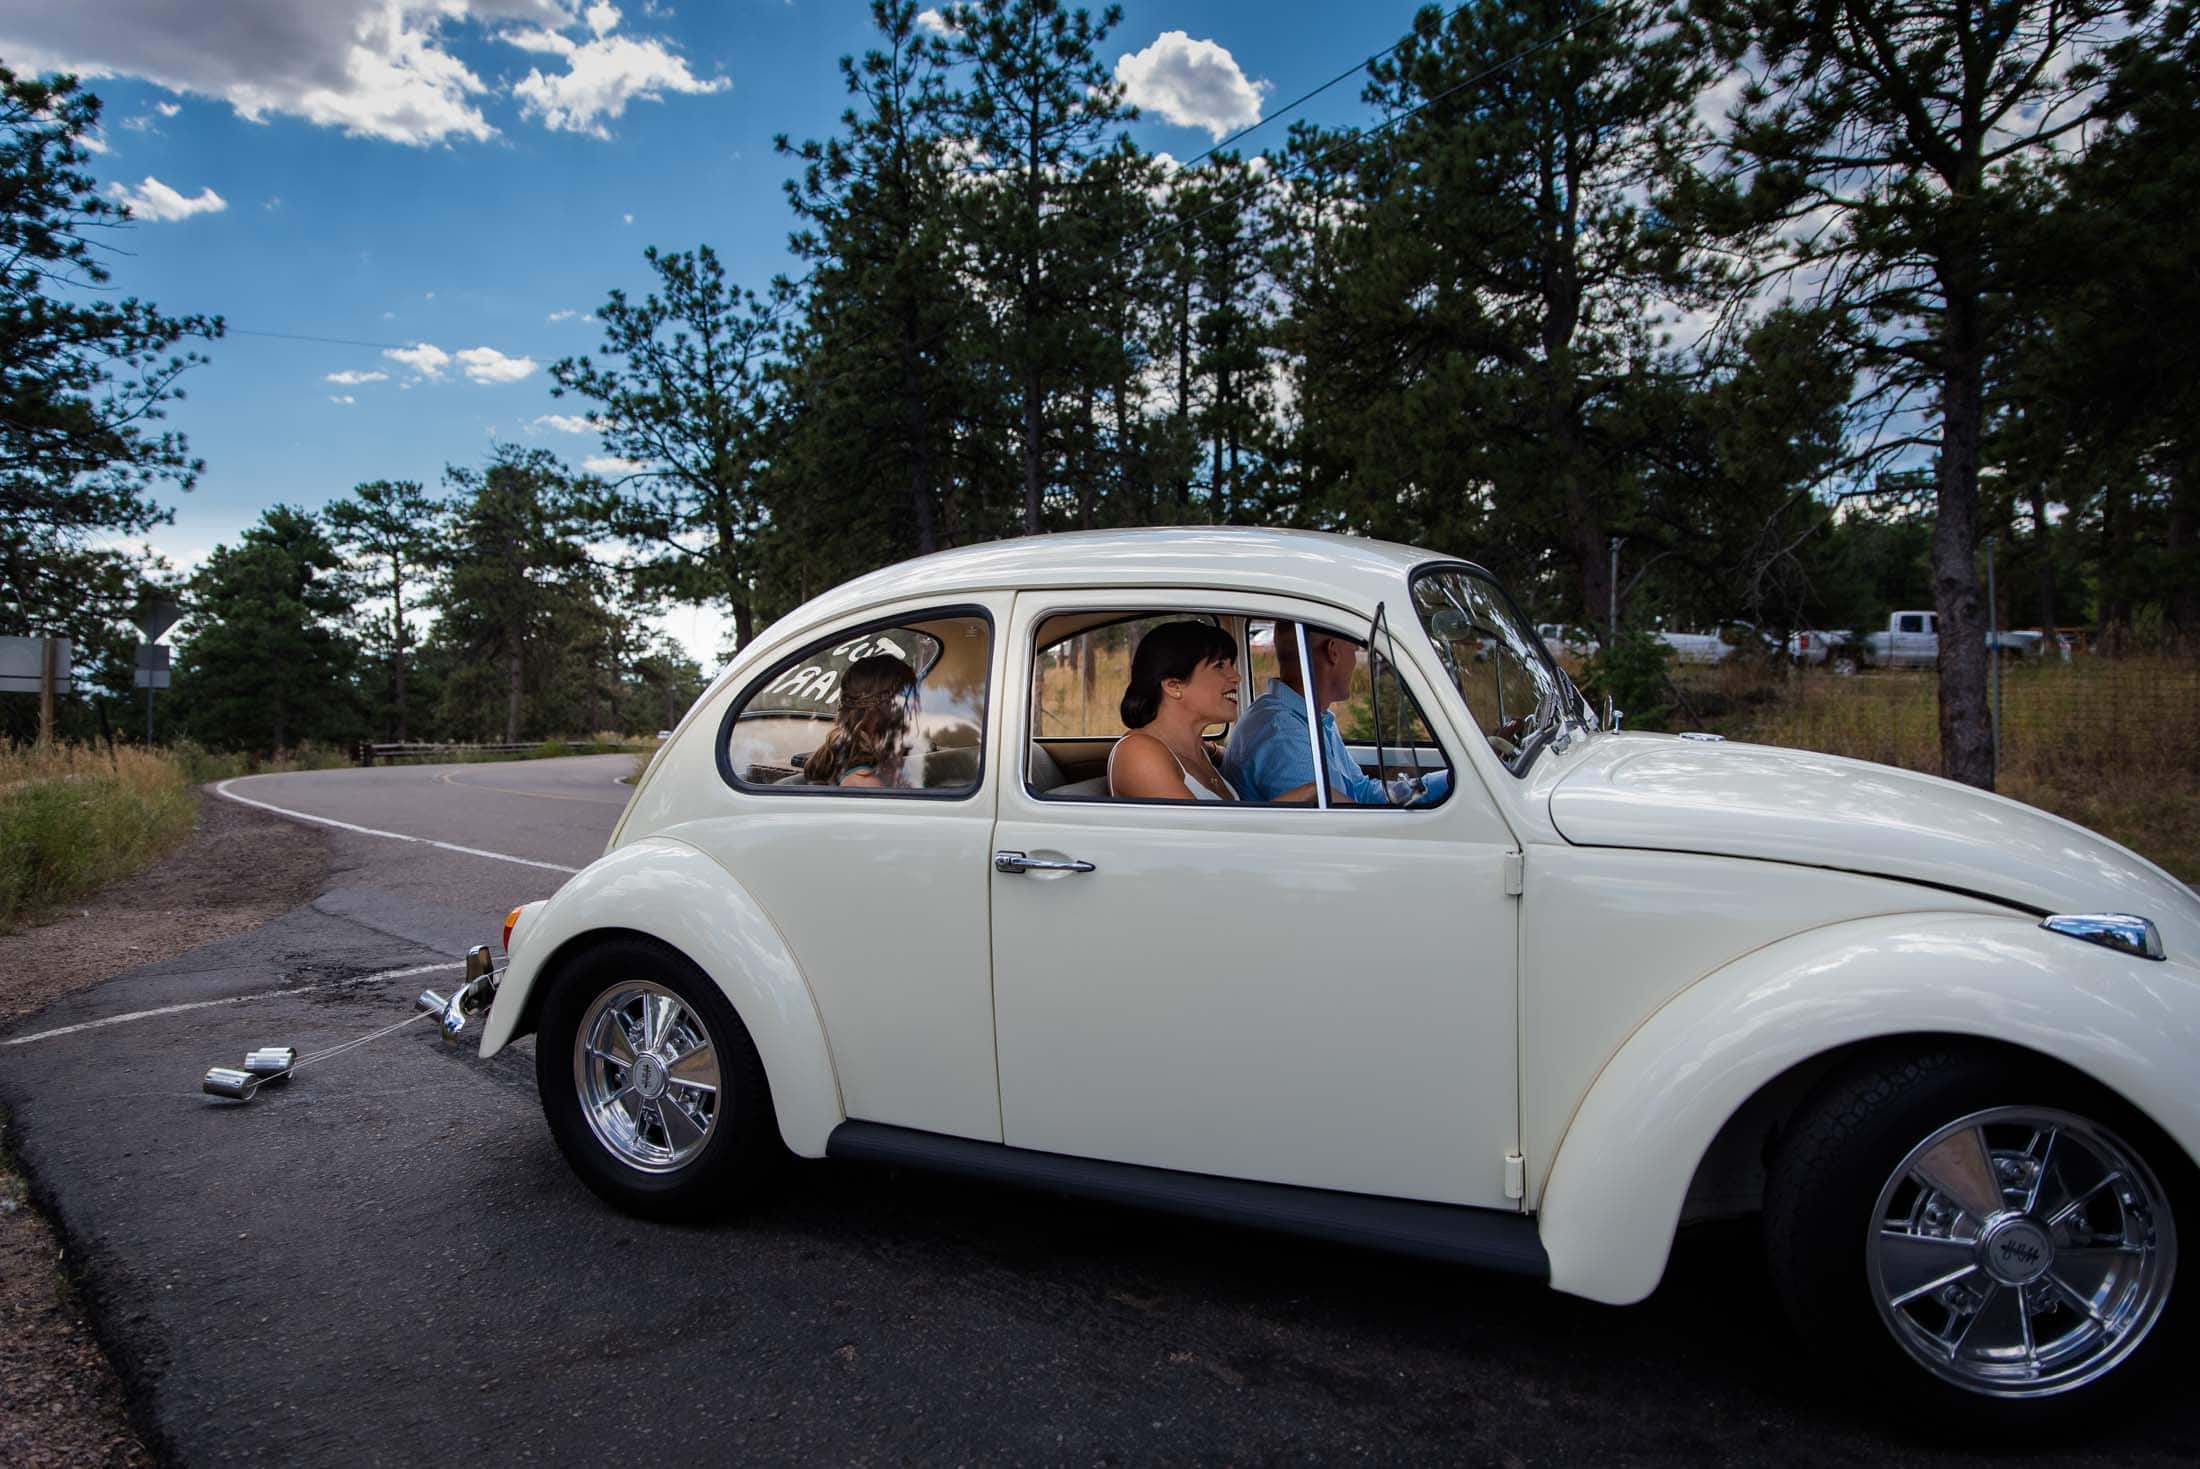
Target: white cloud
<point>374,68</point>
<point>566,315</point>
<point>92,144</point>
<point>342,398</point>
<point>1195,84</point>
<point>155,200</point>
<point>610,464</point>
<point>167,109</point>
<point>936,23</point>
<point>488,365</point>
<point>601,75</point>
<point>567,423</point>
<point>351,377</point>
<point>422,357</point>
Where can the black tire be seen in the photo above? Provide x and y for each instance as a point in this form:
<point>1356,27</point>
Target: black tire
<point>738,1156</point>
<point>1844,1146</point>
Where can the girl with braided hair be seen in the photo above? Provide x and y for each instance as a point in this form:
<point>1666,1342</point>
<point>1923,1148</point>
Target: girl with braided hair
<point>870,736</point>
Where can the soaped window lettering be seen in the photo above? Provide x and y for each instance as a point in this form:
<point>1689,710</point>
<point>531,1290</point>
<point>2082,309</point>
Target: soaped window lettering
<point>929,740</point>
<point>812,686</point>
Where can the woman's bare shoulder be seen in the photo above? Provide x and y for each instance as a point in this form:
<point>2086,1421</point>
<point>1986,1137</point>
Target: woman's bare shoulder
<point>1141,765</point>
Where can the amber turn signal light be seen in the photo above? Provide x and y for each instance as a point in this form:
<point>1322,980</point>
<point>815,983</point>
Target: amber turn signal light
<point>510,919</point>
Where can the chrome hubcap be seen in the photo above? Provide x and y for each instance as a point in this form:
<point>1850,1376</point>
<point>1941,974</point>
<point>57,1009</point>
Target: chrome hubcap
<point>647,1076</point>
<point>2021,1252</point>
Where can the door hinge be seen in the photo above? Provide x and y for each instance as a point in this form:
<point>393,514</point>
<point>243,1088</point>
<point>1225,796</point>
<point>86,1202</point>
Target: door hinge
<point>1516,873</point>
<point>1516,1176</point>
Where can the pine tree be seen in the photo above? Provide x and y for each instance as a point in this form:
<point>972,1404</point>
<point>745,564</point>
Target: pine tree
<point>682,395</point>
<point>83,379</point>
<point>1885,146</point>
<point>1039,108</point>
<point>268,663</point>
<point>396,528</point>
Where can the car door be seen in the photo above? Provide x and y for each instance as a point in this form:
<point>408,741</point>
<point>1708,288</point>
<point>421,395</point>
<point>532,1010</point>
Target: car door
<point>1323,998</point>
<point>880,894</point>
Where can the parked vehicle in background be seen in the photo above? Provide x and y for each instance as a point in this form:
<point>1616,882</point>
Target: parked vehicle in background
<point>1697,647</point>
<point>1565,642</point>
<point>1912,640</point>
<point>1823,647</point>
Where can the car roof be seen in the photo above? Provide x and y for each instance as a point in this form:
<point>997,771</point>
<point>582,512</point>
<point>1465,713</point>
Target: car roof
<point>1347,569</point>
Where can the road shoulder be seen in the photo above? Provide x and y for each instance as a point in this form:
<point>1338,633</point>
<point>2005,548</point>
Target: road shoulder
<point>61,1403</point>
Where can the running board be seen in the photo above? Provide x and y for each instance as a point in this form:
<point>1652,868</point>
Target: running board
<point>1491,1239</point>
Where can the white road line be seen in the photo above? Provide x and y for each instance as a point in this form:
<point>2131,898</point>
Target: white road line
<point>223,789</point>
<point>47,1035</point>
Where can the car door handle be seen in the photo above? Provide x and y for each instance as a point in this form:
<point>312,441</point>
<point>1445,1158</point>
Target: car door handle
<point>1018,862</point>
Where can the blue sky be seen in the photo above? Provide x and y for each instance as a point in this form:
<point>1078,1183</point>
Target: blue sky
<point>476,175</point>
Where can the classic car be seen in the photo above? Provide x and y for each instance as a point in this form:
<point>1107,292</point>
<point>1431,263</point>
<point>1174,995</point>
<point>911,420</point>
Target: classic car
<point>1555,991</point>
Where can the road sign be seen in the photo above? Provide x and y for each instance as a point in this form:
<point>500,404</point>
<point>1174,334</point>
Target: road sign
<point>152,678</point>
<point>155,616</point>
<point>152,656</point>
<point>23,665</point>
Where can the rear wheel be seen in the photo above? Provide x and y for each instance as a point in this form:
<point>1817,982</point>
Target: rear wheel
<point>1995,1238</point>
<point>651,1084</point>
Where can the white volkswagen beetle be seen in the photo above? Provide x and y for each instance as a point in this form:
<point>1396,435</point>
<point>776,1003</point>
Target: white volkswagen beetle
<point>1504,989</point>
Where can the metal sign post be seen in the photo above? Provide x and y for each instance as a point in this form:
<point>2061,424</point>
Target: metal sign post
<point>154,616</point>
<point>36,666</point>
<point>152,673</point>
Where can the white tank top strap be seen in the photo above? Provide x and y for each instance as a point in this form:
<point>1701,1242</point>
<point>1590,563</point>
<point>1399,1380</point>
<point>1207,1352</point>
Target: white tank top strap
<point>1199,792</point>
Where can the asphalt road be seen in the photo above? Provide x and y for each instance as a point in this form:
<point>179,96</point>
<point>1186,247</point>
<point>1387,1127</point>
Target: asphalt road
<point>386,1260</point>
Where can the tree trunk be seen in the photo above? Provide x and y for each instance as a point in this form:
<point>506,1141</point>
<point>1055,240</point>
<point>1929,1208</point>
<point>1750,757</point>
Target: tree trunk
<point>1966,730</point>
<point>2182,596</point>
<point>920,452</point>
<point>2043,546</point>
<point>1033,522</point>
<point>514,676</point>
<point>397,645</point>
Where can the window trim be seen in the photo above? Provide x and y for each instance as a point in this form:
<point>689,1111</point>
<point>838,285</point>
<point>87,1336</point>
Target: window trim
<point>756,685</point>
<point>1218,609</point>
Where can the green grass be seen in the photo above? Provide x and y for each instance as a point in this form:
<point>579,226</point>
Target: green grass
<point>73,818</point>
<point>2112,744</point>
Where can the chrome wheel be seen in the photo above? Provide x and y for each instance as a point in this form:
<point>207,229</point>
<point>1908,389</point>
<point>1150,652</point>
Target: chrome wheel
<point>647,1076</point>
<point>2021,1252</point>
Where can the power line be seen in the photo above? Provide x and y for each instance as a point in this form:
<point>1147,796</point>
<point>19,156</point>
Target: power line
<point>1304,97</point>
<point>241,331</point>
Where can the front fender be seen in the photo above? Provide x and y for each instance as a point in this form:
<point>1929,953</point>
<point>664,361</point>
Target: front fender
<point>1623,1167</point>
<point>676,894</point>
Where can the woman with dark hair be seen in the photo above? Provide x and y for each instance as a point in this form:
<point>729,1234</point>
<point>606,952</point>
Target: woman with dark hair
<point>1184,677</point>
<point>870,736</point>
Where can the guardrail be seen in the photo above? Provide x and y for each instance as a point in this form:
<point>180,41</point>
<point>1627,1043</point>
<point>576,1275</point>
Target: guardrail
<point>367,754</point>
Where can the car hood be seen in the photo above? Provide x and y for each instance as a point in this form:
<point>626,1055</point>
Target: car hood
<point>1738,800</point>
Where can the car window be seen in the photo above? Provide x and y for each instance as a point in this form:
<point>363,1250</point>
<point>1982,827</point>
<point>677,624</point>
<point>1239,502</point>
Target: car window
<point>841,716</point>
<point>1082,667</point>
<point>1077,680</point>
<point>1505,675</point>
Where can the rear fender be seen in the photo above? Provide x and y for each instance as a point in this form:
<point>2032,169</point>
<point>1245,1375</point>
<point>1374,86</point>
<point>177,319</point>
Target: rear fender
<point>1623,1167</point>
<point>674,893</point>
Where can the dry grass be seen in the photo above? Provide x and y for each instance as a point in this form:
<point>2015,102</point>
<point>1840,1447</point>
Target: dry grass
<point>2113,744</point>
<point>73,817</point>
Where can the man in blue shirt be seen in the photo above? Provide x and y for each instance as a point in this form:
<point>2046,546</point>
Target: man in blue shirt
<point>1269,758</point>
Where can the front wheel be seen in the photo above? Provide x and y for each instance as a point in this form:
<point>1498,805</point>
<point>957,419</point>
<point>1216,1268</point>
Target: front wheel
<point>651,1084</point>
<point>1997,1239</point>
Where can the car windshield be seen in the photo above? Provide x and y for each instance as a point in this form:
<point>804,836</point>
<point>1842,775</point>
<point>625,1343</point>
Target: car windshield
<point>1517,696</point>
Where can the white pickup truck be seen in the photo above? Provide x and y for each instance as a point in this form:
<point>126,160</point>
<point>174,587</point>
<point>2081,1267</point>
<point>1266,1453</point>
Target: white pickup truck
<point>1912,640</point>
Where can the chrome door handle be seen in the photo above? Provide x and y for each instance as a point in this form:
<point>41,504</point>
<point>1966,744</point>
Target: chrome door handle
<point>1018,862</point>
